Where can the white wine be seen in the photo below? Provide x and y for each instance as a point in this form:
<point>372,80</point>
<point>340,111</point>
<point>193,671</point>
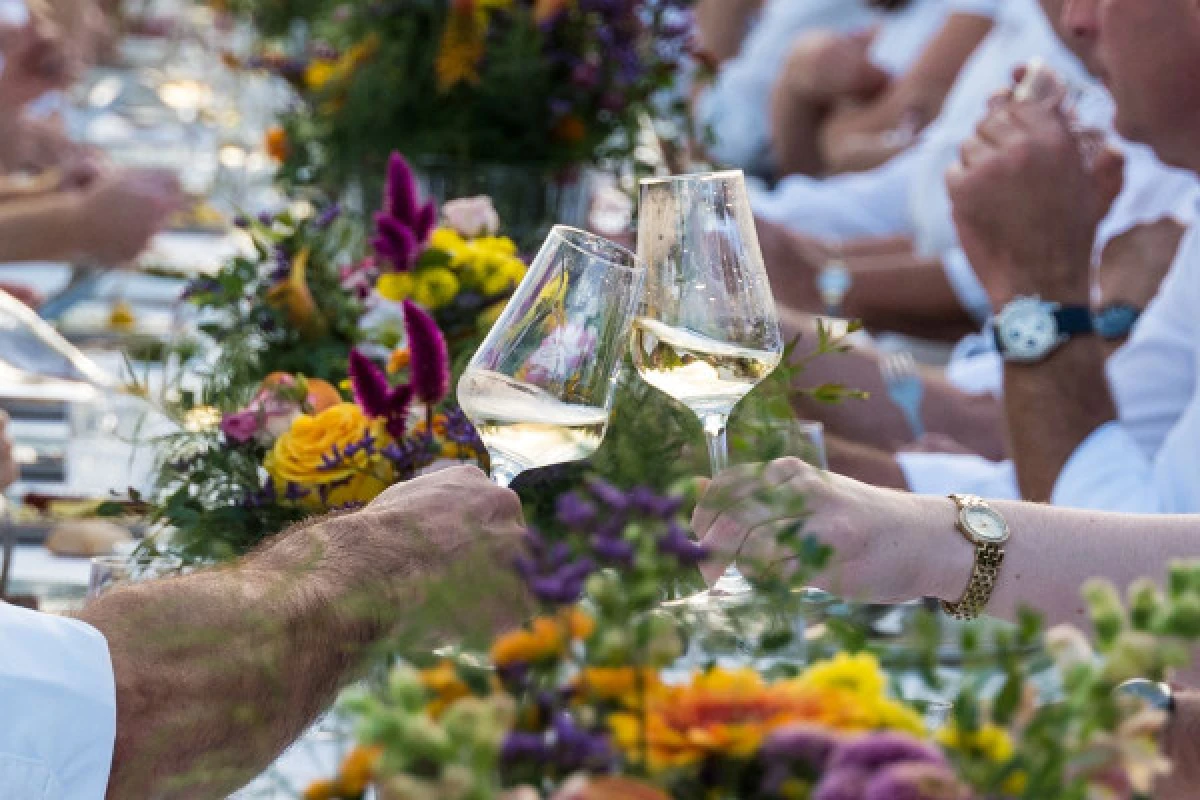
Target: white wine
<point>526,426</point>
<point>707,376</point>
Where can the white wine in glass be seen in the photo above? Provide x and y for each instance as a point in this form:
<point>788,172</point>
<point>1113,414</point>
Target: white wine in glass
<point>540,388</point>
<point>708,331</point>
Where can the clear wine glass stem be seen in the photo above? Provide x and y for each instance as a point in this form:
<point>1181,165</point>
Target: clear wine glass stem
<point>716,427</point>
<point>504,472</point>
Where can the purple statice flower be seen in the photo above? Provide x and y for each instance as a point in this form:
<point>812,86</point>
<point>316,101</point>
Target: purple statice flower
<point>841,784</point>
<point>328,217</point>
<point>649,502</point>
<point>574,510</point>
<point>403,227</point>
<point>377,398</point>
<point>675,542</point>
<point>612,498</point>
<point>263,496</point>
<point>459,429</point>
<point>295,492</point>
<point>241,221</point>
<point>200,287</point>
<point>550,571</point>
<point>429,364</point>
<point>266,218</point>
<point>877,750</point>
<point>613,550</point>
<point>577,748</point>
<point>914,781</point>
<point>407,456</point>
<point>520,747</point>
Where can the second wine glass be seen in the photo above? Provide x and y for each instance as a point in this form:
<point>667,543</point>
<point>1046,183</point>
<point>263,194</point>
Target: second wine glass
<point>540,388</point>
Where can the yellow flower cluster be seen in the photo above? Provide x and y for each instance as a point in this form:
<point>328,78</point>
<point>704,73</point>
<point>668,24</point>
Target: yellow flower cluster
<point>990,743</point>
<point>301,459</point>
<point>730,713</point>
<point>486,264</point>
<point>322,73</point>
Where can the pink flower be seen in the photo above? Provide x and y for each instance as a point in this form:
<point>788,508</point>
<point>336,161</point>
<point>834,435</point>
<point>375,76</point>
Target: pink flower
<point>472,216</point>
<point>241,427</point>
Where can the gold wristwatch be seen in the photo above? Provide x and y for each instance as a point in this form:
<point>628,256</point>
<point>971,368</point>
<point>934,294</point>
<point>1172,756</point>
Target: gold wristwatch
<point>987,530</point>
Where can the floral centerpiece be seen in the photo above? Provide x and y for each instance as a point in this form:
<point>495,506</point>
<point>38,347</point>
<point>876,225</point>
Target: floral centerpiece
<point>332,369</point>
<point>606,695</point>
<point>503,97</point>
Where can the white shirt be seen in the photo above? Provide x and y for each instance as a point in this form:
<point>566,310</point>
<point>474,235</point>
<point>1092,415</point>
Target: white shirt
<point>735,110</point>
<point>1149,461</point>
<point>58,710</point>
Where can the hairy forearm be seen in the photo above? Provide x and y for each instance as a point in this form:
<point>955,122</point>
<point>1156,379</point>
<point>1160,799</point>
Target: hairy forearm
<point>219,671</point>
<point>1052,407</point>
<point>1053,552</point>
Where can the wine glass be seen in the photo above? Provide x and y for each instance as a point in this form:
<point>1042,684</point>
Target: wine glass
<point>708,332</point>
<point>540,388</point>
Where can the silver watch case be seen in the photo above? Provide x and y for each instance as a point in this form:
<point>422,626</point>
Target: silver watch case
<point>1027,332</point>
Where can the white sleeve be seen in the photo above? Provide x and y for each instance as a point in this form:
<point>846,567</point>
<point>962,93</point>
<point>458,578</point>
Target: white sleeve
<point>59,712</point>
<point>942,474</point>
<point>1108,472</point>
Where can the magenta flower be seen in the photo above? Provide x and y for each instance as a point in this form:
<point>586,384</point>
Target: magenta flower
<point>377,398</point>
<point>430,359</point>
<point>241,427</point>
<point>403,227</point>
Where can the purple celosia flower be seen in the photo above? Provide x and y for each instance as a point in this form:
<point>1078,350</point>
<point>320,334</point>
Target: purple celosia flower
<point>876,750</point>
<point>841,784</point>
<point>915,781</point>
<point>403,227</point>
<point>375,396</point>
<point>429,357</point>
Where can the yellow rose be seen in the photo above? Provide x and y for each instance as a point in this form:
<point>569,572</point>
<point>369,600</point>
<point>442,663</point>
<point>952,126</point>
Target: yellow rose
<point>435,288</point>
<point>395,286</point>
<point>310,459</point>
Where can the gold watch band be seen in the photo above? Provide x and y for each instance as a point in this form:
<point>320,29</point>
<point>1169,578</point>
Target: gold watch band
<point>988,559</point>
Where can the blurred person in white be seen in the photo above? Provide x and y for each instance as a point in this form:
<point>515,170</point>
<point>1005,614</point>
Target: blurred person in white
<point>851,102</point>
<point>874,57</point>
<point>892,545</point>
<point>191,686</point>
<point>67,206</point>
<point>893,223</point>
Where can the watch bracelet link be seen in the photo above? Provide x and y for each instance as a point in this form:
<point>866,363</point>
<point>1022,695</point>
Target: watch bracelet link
<point>986,572</point>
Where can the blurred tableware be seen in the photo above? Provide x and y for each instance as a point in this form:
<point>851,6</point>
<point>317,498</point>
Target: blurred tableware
<point>110,571</point>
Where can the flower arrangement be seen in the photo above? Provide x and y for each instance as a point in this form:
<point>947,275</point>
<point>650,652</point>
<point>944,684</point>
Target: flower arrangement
<point>328,384</point>
<point>542,84</point>
<point>607,695</point>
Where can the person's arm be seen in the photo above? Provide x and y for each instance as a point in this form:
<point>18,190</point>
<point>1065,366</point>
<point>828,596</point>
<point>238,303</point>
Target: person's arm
<point>1040,246</point>
<point>217,672</point>
<point>856,136</point>
<point>893,287</point>
<point>892,546</point>
<point>721,25</point>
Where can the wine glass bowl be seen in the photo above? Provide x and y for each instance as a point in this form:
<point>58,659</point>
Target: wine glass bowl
<point>540,388</point>
<point>708,331</point>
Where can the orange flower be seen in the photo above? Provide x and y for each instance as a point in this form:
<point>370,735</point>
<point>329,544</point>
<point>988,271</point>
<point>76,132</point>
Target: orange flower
<point>461,49</point>
<point>545,638</point>
<point>358,770</point>
<point>569,129</point>
<point>277,145</point>
<point>322,396</point>
<point>322,790</point>
<point>730,713</point>
<point>399,360</point>
<point>446,687</point>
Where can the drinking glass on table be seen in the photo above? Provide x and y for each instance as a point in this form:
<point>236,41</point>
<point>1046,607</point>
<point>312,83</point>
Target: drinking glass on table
<point>708,332</point>
<point>540,388</point>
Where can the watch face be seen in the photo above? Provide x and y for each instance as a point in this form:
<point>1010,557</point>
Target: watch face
<point>985,525</point>
<point>1027,332</point>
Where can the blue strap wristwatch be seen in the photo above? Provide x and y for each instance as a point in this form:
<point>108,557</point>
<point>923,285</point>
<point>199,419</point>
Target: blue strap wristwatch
<point>1029,329</point>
